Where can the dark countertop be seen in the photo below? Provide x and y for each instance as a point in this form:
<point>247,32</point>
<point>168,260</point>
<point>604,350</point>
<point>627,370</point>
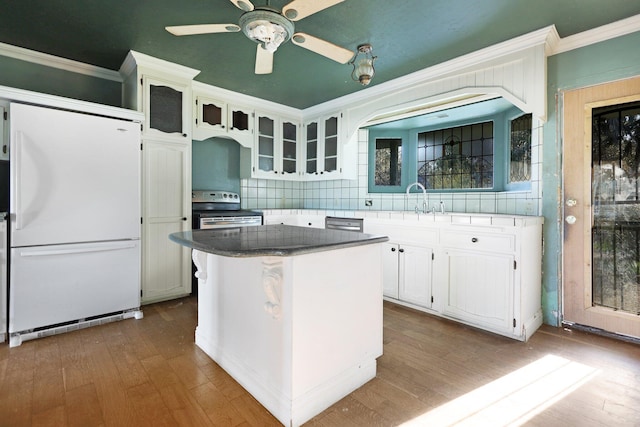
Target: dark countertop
<point>271,240</point>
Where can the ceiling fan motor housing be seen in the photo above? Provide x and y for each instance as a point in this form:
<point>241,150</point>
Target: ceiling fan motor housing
<point>266,26</point>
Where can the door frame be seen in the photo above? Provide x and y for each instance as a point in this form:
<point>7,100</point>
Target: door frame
<point>576,303</point>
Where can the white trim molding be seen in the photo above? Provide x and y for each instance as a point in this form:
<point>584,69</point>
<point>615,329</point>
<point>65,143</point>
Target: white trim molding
<point>58,62</point>
<point>596,35</point>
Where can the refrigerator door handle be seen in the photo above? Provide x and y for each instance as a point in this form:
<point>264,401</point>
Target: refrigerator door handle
<point>16,152</point>
<point>67,251</point>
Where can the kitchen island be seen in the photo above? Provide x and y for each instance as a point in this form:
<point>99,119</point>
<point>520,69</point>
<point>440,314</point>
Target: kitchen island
<point>293,314</point>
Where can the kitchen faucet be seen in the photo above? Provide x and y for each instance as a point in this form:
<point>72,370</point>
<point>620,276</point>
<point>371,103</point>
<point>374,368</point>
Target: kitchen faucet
<point>424,195</point>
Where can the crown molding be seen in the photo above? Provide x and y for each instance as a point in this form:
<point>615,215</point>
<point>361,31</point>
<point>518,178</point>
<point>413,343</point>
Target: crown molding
<point>29,97</point>
<point>137,59</point>
<point>599,34</point>
<point>58,62</point>
<point>238,99</point>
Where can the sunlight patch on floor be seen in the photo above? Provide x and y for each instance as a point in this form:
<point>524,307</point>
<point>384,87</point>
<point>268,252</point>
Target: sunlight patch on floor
<point>513,399</point>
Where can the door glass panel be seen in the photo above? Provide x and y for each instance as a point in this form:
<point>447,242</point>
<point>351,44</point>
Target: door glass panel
<point>616,207</point>
<point>212,114</point>
<point>266,144</point>
<point>165,109</point>
<point>312,147</point>
<point>239,120</point>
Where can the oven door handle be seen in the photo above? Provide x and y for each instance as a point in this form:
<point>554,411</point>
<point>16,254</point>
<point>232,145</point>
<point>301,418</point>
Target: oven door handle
<point>231,221</point>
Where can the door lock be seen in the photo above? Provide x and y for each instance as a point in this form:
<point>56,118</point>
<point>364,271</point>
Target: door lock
<point>571,202</point>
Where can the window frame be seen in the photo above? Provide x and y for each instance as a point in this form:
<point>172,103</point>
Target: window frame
<point>511,115</point>
<point>407,170</point>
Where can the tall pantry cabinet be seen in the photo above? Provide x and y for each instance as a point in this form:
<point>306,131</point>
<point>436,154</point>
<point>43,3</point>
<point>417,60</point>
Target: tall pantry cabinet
<point>162,91</point>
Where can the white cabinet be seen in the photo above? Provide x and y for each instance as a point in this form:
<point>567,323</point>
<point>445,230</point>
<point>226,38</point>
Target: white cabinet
<point>487,276</point>
<point>480,288</point>
<point>162,91</point>
<point>166,266</point>
<point>407,273</point>
<point>415,274</point>
<point>322,148</point>
<point>167,107</point>
<point>491,276</point>
<point>277,148</point>
<point>217,118</point>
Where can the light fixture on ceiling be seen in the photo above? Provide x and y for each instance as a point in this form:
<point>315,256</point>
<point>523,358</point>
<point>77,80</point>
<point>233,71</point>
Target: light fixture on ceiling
<point>266,27</point>
<point>363,70</point>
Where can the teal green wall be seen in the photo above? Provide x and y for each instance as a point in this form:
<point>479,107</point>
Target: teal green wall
<point>216,165</point>
<point>39,78</point>
<point>602,62</point>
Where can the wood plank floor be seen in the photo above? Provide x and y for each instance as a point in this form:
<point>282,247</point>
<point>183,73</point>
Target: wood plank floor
<point>433,372</point>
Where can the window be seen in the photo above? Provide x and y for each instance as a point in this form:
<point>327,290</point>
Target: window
<point>388,161</point>
<point>456,158</point>
<point>520,149</point>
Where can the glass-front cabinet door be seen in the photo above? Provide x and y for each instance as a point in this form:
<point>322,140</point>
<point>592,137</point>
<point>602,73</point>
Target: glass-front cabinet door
<point>289,148</point>
<point>167,108</point>
<point>312,148</point>
<point>266,140</point>
<point>331,144</point>
<point>322,148</point>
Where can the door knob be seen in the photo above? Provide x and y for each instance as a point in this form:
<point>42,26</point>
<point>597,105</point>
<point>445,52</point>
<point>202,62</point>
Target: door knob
<point>571,219</point>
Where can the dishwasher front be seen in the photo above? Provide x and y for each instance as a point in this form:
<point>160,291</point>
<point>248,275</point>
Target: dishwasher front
<point>347,224</point>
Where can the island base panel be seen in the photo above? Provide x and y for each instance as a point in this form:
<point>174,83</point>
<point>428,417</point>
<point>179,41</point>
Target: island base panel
<point>300,332</point>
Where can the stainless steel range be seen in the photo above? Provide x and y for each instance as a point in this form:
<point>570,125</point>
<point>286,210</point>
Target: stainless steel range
<point>220,209</point>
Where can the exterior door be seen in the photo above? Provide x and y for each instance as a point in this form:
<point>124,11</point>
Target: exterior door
<point>601,173</point>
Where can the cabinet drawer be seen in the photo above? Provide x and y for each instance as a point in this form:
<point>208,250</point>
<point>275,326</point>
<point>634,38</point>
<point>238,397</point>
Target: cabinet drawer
<point>480,241</point>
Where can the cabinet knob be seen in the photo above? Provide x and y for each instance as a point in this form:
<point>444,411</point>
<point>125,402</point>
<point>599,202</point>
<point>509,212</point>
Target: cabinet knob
<point>474,239</point>
<point>393,249</point>
<point>184,134</point>
<point>401,250</point>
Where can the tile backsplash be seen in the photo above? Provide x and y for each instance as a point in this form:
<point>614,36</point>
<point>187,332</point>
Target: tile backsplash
<point>353,194</point>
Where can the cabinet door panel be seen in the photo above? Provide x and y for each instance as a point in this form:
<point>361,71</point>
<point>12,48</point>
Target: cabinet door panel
<point>213,114</point>
<point>480,288</point>
<point>415,275</point>
<point>166,265</point>
<point>167,109</point>
<point>390,270</point>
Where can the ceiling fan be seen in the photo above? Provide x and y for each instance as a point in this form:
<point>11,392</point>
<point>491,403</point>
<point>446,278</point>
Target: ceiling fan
<point>270,28</point>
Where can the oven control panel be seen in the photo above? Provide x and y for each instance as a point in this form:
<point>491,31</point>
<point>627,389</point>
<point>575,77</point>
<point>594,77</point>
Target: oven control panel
<point>207,196</point>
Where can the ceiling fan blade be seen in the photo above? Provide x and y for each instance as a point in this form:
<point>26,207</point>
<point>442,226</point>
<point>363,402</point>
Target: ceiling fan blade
<point>245,5</point>
<point>322,47</point>
<point>298,9</point>
<point>187,30</point>
<point>264,60</point>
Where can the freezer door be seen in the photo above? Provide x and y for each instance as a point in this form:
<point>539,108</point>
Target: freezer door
<point>62,283</point>
<point>74,177</point>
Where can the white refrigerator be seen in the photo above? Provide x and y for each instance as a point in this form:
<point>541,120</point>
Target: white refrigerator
<point>74,219</point>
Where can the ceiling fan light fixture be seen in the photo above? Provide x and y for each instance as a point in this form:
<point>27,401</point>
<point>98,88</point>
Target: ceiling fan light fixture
<point>363,69</point>
<point>266,27</point>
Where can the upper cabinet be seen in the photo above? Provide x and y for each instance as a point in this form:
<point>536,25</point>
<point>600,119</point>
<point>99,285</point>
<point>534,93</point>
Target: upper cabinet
<point>162,91</point>
<point>167,108</point>
<point>217,118</point>
<point>277,148</point>
<point>322,148</point>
